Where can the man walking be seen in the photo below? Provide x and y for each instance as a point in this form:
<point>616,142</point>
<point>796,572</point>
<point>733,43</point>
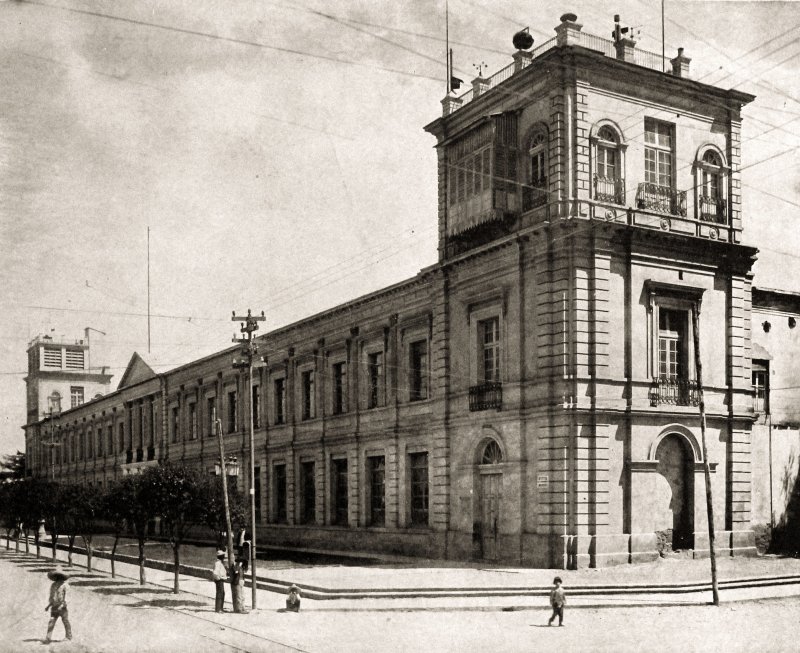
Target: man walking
<point>58,603</point>
<point>219,575</point>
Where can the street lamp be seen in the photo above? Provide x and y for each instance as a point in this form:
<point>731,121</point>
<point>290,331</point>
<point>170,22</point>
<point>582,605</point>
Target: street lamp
<point>231,467</point>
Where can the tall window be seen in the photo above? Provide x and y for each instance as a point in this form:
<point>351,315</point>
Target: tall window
<point>211,411</point>
<point>96,443</point>
<point>608,183</point>
<point>710,188</point>
<point>489,341</point>
<point>110,440</point>
<point>418,488</point>
<point>375,368</point>
<point>175,423</point>
<point>418,370</point>
<point>761,386</point>
<point>280,401</point>
<point>193,420</point>
<point>308,508</point>
<point>376,470</point>
<point>76,395</point>
<point>255,408</point>
<point>672,345</point>
<point>279,476</point>
<point>121,436</point>
<point>340,492</point>
<point>535,191</point>
<point>257,491</point>
<point>232,411</point>
<point>339,387</point>
<point>307,382</point>
<point>658,153</point>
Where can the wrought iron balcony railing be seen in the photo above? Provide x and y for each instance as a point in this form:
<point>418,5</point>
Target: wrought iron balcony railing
<point>662,199</point>
<point>485,396</point>
<point>675,392</point>
<point>533,196</point>
<point>712,209</point>
<point>607,189</point>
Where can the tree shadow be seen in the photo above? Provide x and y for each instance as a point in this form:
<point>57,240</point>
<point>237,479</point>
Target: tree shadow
<point>167,603</point>
<point>786,533</point>
<point>133,589</point>
<point>97,583</point>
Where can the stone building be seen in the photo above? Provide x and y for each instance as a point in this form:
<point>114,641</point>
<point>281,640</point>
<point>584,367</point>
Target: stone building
<point>531,398</point>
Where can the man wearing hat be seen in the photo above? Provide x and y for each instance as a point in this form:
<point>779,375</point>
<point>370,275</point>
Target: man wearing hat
<point>219,575</point>
<point>58,602</point>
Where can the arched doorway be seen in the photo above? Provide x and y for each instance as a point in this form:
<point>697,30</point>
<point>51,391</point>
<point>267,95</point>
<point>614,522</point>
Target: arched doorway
<point>490,479</point>
<point>676,465</point>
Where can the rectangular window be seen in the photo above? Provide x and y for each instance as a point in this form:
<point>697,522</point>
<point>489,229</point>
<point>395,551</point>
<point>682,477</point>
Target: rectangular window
<point>211,416</point>
<point>97,441</point>
<point>672,344</point>
<point>418,371</point>
<point>760,386</point>
<point>339,388</point>
<point>308,493</point>
<point>418,487</point>
<point>193,421</point>
<point>232,410</point>
<point>257,491</point>
<point>376,472</point>
<point>110,440</point>
<point>76,395</point>
<point>489,342</point>
<point>121,436</point>
<point>74,359</point>
<point>658,153</point>
<point>307,382</point>
<point>52,357</point>
<point>255,408</point>
<point>375,368</point>
<point>175,425</point>
<point>279,477</point>
<point>339,486</point>
<point>280,401</point>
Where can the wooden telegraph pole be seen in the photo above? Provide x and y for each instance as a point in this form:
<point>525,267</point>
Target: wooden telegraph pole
<point>249,350</point>
<point>236,586</point>
<point>706,468</point>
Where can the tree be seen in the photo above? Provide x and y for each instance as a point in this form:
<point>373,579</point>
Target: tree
<point>71,518</point>
<point>89,515</point>
<point>174,494</point>
<point>12,466</point>
<point>8,517</point>
<point>138,510</point>
<point>31,499</point>
<point>115,513</point>
<point>54,509</point>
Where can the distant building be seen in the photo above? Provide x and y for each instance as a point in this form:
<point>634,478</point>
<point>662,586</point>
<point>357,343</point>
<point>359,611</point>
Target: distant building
<point>531,398</point>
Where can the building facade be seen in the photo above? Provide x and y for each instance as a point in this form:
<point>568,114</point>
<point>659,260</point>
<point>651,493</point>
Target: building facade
<point>532,398</point>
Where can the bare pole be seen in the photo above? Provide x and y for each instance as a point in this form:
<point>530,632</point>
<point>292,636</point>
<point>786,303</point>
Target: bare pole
<point>235,599</point>
<point>706,466</point>
<point>148,289</point>
<point>447,53</point>
<point>663,52</point>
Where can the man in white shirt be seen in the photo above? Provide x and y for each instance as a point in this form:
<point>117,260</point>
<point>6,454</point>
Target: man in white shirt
<point>220,574</point>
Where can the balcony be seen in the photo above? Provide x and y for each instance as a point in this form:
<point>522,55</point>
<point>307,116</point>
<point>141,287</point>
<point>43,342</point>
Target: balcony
<point>533,197</point>
<point>609,190</point>
<point>661,199</point>
<point>485,396</point>
<point>674,392</point>
<point>712,209</point>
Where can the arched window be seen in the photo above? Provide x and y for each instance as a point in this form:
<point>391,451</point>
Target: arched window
<point>492,455</point>
<point>535,191</point>
<point>54,402</point>
<point>609,184</point>
<point>710,186</point>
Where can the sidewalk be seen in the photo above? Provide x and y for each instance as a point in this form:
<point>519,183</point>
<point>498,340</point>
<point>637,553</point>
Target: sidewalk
<point>671,581</point>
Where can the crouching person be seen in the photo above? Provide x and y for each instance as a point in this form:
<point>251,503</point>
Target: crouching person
<point>293,600</point>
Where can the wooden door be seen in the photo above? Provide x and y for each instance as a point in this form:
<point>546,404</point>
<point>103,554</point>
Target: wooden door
<point>491,485</point>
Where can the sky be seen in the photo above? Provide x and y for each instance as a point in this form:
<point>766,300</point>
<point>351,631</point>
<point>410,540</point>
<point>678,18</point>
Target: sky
<point>275,153</point>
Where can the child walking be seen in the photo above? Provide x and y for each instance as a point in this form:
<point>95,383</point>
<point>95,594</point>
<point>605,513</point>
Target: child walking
<point>58,602</point>
<point>557,600</point>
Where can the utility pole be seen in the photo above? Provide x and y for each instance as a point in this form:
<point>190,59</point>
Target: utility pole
<point>245,361</point>
<point>236,597</point>
<point>706,466</point>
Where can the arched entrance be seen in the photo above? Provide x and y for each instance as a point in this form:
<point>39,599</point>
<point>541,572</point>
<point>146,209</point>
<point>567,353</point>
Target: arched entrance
<point>490,488</point>
<point>676,464</point>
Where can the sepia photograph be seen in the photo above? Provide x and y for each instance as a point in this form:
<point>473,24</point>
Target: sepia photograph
<point>371,326</point>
